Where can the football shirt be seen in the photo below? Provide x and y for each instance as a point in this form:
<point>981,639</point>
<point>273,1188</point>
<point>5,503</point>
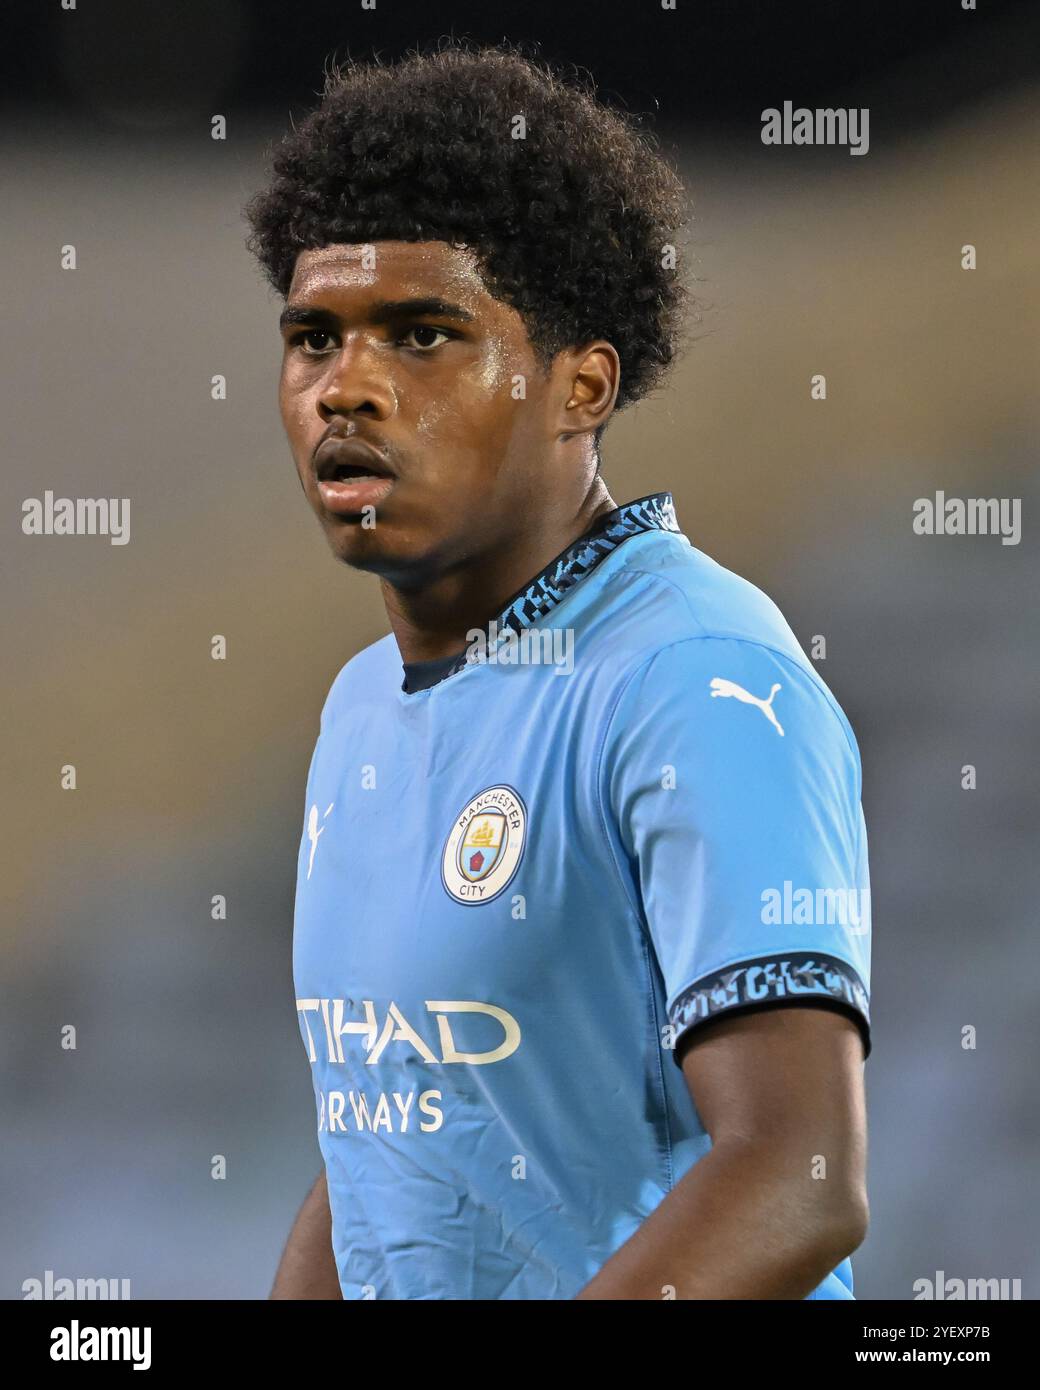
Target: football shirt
<point>631,806</point>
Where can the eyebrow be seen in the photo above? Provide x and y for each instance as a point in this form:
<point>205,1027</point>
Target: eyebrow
<point>385,311</point>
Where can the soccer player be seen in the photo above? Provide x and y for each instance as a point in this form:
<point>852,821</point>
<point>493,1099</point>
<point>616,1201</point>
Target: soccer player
<point>581,932</point>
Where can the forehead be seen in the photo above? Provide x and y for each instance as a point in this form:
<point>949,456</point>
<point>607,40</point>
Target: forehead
<point>412,268</point>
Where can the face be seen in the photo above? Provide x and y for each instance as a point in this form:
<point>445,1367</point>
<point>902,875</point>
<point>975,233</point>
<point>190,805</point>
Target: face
<point>398,393</point>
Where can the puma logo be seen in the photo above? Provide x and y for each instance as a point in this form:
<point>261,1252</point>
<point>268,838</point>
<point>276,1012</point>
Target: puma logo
<point>313,833</point>
<point>730,688</point>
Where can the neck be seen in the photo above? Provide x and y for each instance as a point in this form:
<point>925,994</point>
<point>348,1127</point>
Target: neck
<point>433,621</point>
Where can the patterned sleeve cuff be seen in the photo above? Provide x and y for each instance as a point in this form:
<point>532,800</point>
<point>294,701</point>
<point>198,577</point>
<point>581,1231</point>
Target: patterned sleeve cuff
<point>781,978</point>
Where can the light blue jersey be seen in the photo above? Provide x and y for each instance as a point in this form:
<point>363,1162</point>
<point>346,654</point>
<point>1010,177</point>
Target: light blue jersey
<point>522,891</point>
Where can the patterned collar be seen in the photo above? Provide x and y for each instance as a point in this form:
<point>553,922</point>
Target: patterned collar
<point>541,594</point>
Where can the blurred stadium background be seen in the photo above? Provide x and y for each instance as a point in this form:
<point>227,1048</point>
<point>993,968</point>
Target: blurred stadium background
<point>192,773</point>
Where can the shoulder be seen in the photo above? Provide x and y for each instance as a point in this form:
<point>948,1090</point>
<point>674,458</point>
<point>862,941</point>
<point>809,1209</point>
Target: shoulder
<point>374,669</point>
<point>685,634</point>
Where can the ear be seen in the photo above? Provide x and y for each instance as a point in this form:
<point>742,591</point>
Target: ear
<point>589,378</point>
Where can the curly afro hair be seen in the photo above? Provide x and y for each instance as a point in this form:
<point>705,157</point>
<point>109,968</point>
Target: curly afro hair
<point>576,225</point>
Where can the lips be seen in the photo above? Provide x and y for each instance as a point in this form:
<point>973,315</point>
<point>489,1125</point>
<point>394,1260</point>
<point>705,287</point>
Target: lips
<point>337,460</point>
<point>351,476</point>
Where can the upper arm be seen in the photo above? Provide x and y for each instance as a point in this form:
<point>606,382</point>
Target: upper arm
<point>743,834</point>
<point>782,1072</point>
<point>790,1079</point>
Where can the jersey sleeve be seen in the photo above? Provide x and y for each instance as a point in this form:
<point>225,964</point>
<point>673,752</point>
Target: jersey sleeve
<point>732,783</point>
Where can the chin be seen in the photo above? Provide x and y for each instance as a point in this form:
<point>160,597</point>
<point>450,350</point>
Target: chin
<point>375,550</point>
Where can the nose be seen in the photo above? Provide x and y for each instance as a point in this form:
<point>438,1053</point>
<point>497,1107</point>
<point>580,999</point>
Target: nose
<point>357,383</point>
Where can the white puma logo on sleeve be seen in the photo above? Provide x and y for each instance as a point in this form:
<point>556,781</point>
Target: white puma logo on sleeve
<point>726,688</point>
<point>313,833</point>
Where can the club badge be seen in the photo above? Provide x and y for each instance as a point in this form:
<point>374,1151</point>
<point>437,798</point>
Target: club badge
<point>485,845</point>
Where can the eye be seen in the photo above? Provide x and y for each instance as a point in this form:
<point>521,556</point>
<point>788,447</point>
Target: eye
<point>425,328</point>
<point>298,339</point>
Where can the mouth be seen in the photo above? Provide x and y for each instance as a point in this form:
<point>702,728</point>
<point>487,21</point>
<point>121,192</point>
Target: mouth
<point>351,476</point>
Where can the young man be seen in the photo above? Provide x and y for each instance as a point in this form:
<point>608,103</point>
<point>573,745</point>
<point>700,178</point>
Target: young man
<point>578,1023</point>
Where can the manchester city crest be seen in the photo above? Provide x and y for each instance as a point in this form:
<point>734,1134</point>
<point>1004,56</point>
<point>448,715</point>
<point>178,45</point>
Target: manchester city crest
<point>484,846</point>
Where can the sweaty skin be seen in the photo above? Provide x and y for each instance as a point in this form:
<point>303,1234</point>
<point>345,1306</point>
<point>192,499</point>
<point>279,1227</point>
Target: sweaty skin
<point>494,460</point>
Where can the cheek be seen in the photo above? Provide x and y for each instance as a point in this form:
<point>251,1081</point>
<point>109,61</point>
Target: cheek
<point>296,412</point>
<point>478,409</point>
<point>439,415</point>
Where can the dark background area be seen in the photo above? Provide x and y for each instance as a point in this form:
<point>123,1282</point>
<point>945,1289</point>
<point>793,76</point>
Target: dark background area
<point>713,61</point>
